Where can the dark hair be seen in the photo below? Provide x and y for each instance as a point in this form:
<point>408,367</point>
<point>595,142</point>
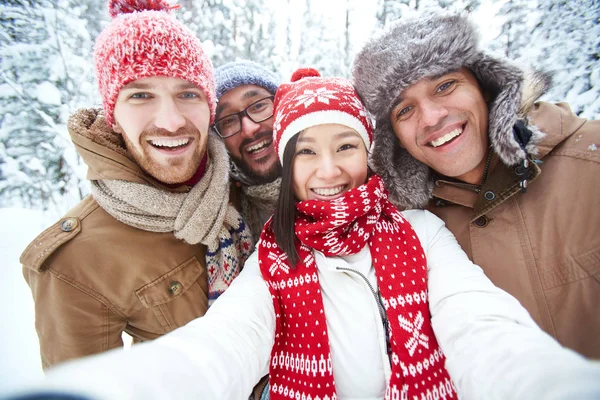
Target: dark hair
<point>284,218</point>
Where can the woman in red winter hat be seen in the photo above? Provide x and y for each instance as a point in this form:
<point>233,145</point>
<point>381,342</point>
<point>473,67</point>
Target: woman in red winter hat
<point>361,300</point>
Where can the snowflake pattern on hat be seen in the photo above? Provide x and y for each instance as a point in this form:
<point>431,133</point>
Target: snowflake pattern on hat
<point>312,100</point>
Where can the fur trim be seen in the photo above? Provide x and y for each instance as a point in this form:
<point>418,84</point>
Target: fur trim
<point>90,123</point>
<point>434,45</point>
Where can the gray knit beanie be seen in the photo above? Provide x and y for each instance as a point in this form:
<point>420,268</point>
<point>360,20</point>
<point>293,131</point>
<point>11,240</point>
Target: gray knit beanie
<point>237,73</point>
<point>428,46</point>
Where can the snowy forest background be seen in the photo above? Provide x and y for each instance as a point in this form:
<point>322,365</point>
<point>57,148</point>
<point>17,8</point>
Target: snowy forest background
<point>47,71</point>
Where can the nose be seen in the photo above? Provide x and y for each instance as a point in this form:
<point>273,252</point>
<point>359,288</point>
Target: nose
<point>432,112</point>
<point>169,117</point>
<point>327,168</point>
<point>249,127</point>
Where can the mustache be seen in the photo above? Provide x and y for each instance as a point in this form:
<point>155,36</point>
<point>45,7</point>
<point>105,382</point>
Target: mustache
<point>187,130</point>
<point>258,137</point>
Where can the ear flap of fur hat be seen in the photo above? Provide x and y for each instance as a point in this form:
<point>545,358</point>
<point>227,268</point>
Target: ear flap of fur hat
<point>429,46</point>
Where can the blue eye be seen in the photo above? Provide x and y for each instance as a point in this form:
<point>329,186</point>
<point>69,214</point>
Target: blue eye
<point>189,95</point>
<point>140,96</point>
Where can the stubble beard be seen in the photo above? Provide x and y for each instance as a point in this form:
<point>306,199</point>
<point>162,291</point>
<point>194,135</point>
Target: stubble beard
<point>177,169</point>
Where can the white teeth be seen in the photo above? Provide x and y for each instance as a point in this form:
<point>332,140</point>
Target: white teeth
<point>169,142</point>
<point>446,138</point>
<point>258,146</point>
<point>329,191</point>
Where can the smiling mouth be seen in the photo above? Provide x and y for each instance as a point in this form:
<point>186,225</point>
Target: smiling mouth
<point>446,138</point>
<point>329,191</point>
<point>255,148</point>
<point>169,144</point>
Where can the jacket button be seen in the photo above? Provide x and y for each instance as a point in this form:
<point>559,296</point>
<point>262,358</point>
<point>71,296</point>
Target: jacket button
<point>489,195</point>
<point>175,288</point>
<point>482,221</point>
<point>68,224</point>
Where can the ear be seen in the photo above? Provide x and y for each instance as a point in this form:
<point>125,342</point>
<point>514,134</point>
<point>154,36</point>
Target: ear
<point>117,128</point>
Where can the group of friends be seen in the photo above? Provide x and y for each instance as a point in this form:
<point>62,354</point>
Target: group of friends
<point>426,229</point>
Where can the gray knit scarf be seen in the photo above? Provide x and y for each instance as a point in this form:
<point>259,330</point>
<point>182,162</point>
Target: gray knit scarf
<point>203,215</point>
<point>258,200</point>
<point>258,204</point>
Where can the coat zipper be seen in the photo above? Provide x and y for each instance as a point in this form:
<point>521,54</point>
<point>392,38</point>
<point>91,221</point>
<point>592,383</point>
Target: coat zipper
<point>380,307</point>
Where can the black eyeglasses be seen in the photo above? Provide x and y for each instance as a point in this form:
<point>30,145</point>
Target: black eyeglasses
<point>259,111</point>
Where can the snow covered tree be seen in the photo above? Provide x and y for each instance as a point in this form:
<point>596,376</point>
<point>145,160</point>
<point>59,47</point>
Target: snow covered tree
<point>231,31</point>
<point>389,11</point>
<point>323,43</point>
<point>516,29</point>
<point>46,73</point>
<point>566,42</point>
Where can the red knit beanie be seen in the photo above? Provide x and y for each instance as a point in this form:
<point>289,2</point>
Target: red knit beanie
<point>310,100</point>
<point>143,41</point>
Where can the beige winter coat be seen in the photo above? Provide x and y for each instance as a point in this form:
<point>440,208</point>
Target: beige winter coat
<point>93,277</point>
<point>542,246</point>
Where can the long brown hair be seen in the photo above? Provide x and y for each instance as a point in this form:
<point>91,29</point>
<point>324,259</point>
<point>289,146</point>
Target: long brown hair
<point>284,218</point>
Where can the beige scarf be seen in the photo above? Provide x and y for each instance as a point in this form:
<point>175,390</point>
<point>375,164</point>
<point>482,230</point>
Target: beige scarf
<point>203,215</point>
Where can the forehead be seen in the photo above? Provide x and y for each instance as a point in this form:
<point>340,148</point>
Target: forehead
<point>324,132</point>
<point>239,97</point>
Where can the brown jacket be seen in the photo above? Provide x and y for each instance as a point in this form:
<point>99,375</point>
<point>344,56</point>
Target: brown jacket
<point>93,277</point>
<point>542,246</point>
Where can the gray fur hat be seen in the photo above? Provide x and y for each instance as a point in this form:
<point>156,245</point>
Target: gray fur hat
<point>428,46</point>
<point>237,73</point>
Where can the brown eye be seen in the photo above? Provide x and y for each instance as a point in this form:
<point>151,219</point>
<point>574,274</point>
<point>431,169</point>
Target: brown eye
<point>403,111</point>
<point>445,86</point>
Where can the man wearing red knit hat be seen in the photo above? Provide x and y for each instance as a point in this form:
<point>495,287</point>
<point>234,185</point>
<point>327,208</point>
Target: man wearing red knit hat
<point>157,240</point>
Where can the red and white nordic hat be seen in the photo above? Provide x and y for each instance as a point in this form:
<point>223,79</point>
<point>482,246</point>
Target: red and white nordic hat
<point>143,41</point>
<point>310,100</point>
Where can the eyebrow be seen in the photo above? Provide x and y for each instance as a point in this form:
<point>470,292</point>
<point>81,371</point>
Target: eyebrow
<point>339,135</point>
<point>247,95</point>
<point>146,86</point>
<point>435,77</point>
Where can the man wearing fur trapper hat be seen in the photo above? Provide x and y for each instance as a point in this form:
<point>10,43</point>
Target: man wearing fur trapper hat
<point>157,241</point>
<point>516,181</point>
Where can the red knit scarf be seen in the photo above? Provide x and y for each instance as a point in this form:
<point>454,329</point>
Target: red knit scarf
<point>300,360</point>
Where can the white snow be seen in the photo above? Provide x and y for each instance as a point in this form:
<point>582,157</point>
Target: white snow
<point>47,93</point>
<point>19,348</point>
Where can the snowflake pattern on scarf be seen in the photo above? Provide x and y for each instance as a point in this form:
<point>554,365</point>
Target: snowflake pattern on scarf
<point>301,365</point>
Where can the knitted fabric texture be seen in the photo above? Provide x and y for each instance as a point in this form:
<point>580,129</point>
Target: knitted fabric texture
<point>145,43</point>
<point>238,73</point>
<point>301,365</point>
<point>258,204</point>
<point>203,215</point>
<point>310,100</point>
<point>428,46</point>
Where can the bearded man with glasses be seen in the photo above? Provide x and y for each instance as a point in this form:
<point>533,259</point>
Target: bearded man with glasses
<point>244,121</point>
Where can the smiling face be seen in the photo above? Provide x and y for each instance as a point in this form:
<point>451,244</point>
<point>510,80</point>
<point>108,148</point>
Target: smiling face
<point>252,148</point>
<point>164,123</point>
<point>329,160</point>
<point>443,123</point>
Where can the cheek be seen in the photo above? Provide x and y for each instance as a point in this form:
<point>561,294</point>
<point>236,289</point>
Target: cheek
<point>402,135</point>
